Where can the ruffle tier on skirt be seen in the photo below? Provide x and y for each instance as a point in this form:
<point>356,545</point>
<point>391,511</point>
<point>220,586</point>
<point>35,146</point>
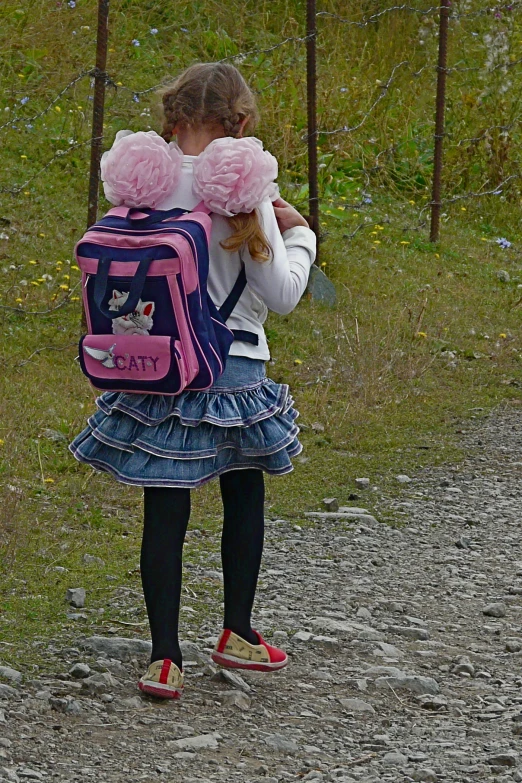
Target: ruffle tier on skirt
<point>244,421</point>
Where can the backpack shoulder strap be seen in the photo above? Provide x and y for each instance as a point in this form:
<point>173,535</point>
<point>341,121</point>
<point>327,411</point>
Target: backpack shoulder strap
<point>230,302</point>
<point>234,296</point>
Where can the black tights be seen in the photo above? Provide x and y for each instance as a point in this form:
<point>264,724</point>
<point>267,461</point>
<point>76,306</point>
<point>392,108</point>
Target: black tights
<point>167,512</point>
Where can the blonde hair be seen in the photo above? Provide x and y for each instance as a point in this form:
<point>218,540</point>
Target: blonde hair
<point>216,94</point>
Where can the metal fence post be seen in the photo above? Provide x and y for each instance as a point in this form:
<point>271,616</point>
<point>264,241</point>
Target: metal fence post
<point>311,85</point>
<point>439,121</point>
<point>100,80</point>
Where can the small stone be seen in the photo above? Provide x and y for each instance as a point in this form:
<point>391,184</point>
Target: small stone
<point>402,478</point>
<point>513,645</point>
<point>236,699</point>
<point>328,640</point>
<point>495,610</point>
<point>434,703</point>
<point>331,504</point>
<point>93,560</point>
<point>425,776</point>
<point>503,276</point>
<point>231,678</point>
<point>200,742</point>
<point>79,671</point>
<point>408,682</point>
<point>75,596</point>
<point>408,632</point>
<point>362,483</point>
<point>395,759</point>
<point>74,707</point>
<point>54,435</point>
<point>31,774</point>
<point>279,637</point>
<point>356,705</point>
<point>281,744</point>
<point>118,647</point>
<point>302,636</point>
<point>388,651</point>
<point>5,743</point>
<point>10,674</point>
<point>99,682</point>
<point>506,759</point>
<point>6,691</point>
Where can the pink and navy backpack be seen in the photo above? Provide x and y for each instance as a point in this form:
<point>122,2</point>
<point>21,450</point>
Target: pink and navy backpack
<point>152,327</point>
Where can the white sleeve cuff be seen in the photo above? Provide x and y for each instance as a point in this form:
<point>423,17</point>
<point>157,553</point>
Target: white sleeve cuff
<point>300,236</point>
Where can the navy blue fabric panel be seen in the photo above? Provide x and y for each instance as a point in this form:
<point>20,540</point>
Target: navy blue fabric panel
<point>157,253</point>
<point>155,290</point>
<point>109,221</point>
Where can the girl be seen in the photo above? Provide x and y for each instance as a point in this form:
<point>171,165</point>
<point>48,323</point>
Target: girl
<point>243,425</point>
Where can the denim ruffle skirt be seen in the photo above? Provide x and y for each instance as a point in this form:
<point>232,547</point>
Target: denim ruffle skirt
<point>245,420</point>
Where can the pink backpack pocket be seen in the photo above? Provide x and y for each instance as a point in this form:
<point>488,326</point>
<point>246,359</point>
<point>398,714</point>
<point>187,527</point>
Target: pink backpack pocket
<point>118,362</point>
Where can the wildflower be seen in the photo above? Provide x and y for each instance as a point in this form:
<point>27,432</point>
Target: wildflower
<point>463,209</point>
<point>75,298</point>
<point>2,441</point>
<point>41,235</point>
<point>183,29</point>
<point>328,211</point>
<point>18,300</point>
<point>33,262</point>
<point>29,126</point>
<point>49,481</point>
<point>24,157</point>
<point>64,287</point>
<point>35,282</point>
<point>344,89</point>
<point>136,98</point>
<point>57,110</point>
<point>403,242</point>
<point>25,100</point>
<point>79,108</point>
<point>66,277</point>
<point>297,361</point>
<point>85,27</point>
<point>412,202</point>
<point>119,84</point>
<point>422,334</point>
<point>72,3</point>
<point>27,193</point>
<point>46,277</point>
<point>76,268</point>
<point>379,228</point>
<point>483,239</point>
<point>59,263</point>
<point>502,335</point>
<point>323,265</point>
<point>135,42</point>
<point>376,241</point>
<point>21,75</point>
<point>367,200</point>
<point>503,243</point>
<point>154,31</point>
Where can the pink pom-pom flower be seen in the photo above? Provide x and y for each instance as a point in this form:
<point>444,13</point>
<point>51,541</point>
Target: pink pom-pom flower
<point>235,175</point>
<point>140,169</point>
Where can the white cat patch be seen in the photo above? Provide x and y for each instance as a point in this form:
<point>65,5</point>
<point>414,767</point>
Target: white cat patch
<point>138,322</point>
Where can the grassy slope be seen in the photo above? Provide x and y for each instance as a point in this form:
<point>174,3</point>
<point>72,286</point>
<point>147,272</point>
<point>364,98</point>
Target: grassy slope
<point>376,391</point>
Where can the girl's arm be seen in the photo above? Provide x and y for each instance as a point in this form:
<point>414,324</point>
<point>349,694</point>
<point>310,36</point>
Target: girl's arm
<point>281,281</point>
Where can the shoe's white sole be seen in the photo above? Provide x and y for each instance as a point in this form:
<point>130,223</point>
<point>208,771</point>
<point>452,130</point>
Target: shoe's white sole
<point>160,690</point>
<point>231,662</point>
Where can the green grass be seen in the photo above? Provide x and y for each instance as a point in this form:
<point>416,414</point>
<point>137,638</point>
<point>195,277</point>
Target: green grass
<point>422,340</point>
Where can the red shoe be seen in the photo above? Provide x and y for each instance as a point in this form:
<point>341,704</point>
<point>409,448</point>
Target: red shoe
<point>162,679</point>
<point>233,652</point>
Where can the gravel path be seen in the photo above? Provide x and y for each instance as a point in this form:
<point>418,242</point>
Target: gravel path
<point>405,650</point>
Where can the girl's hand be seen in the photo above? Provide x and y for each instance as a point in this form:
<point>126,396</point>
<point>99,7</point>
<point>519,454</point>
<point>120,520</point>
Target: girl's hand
<point>287,216</point>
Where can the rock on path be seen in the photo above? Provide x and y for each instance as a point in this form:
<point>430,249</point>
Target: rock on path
<point>405,650</point>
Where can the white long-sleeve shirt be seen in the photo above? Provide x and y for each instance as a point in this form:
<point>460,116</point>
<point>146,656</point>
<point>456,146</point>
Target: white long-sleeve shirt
<point>277,284</point>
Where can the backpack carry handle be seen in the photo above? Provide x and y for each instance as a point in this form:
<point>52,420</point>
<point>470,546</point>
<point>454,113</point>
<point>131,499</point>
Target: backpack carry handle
<point>156,216</point>
<point>136,289</point>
